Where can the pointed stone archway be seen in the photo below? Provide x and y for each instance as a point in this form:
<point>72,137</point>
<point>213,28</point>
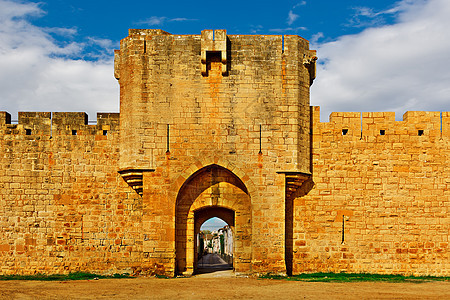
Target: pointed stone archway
<point>213,191</point>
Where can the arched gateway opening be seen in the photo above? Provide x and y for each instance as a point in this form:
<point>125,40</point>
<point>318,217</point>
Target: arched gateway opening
<point>214,241</point>
<point>212,191</point>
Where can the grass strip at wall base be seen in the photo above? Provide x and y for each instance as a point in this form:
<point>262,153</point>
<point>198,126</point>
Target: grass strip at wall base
<point>354,277</point>
<point>63,277</point>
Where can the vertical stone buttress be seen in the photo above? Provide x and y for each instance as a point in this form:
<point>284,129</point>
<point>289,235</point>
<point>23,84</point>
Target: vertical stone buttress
<point>241,102</point>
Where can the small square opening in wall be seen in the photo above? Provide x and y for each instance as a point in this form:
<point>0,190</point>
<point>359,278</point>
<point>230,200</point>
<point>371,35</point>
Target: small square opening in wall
<point>74,132</point>
<point>344,131</point>
<point>27,131</point>
<point>420,132</point>
<point>105,132</point>
<point>382,132</point>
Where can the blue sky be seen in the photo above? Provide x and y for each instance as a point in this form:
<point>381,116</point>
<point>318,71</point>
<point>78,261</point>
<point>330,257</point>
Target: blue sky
<point>111,19</point>
<point>213,224</point>
<point>374,55</point>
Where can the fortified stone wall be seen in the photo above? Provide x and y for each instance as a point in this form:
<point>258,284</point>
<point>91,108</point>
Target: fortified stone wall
<point>220,125</point>
<point>189,102</point>
<point>379,197</point>
<point>63,206</point>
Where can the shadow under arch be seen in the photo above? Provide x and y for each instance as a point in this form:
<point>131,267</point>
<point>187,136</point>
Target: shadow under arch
<point>210,191</point>
<point>205,213</point>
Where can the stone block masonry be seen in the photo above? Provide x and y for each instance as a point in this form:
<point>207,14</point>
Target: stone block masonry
<point>218,102</point>
<point>63,206</point>
<point>217,125</point>
<point>380,201</point>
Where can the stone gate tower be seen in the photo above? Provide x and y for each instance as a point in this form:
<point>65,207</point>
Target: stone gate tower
<point>215,125</point>
<point>218,125</point>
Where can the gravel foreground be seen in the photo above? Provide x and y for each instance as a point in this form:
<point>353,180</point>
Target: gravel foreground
<point>218,288</point>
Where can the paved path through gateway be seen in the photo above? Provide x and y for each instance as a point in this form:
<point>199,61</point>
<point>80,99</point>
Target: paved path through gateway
<point>213,263</point>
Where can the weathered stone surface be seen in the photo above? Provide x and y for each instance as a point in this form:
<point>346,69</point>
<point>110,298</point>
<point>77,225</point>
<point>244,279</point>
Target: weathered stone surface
<point>391,191</point>
<point>220,125</point>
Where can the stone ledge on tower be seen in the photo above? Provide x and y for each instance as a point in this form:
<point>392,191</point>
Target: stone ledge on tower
<point>294,181</point>
<point>309,61</point>
<point>134,178</point>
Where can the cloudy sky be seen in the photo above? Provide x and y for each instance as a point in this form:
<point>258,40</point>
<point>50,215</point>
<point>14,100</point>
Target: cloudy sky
<point>374,55</point>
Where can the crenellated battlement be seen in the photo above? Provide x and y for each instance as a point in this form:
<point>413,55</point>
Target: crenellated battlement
<point>158,45</point>
<point>217,125</point>
<point>350,124</point>
<point>382,125</point>
<point>58,123</point>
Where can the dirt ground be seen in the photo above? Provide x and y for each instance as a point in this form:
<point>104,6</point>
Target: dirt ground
<point>207,287</point>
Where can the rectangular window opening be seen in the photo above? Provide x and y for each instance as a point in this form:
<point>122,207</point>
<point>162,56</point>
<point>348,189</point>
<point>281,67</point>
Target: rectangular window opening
<point>74,132</point>
<point>213,56</point>
<point>105,132</point>
<point>382,132</point>
<point>27,131</point>
<point>420,132</point>
<point>344,131</point>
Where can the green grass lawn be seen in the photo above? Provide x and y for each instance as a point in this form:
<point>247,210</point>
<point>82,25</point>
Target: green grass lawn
<point>60,277</point>
<point>355,277</point>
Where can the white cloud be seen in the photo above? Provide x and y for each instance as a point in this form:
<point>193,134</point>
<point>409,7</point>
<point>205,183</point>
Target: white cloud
<point>104,43</point>
<point>10,10</point>
<point>299,4</point>
<point>399,67</point>
<point>181,20</point>
<point>161,20</point>
<point>367,17</point>
<point>254,29</point>
<point>291,17</point>
<point>153,21</point>
<point>293,29</point>
<point>39,73</point>
<point>316,37</point>
<point>66,32</point>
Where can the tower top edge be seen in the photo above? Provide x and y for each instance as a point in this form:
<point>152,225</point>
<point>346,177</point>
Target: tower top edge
<point>145,32</point>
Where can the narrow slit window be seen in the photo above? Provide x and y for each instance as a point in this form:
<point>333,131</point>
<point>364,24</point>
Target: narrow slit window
<point>74,132</point>
<point>420,132</point>
<point>168,139</point>
<point>260,139</point>
<point>382,132</point>
<point>344,131</point>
